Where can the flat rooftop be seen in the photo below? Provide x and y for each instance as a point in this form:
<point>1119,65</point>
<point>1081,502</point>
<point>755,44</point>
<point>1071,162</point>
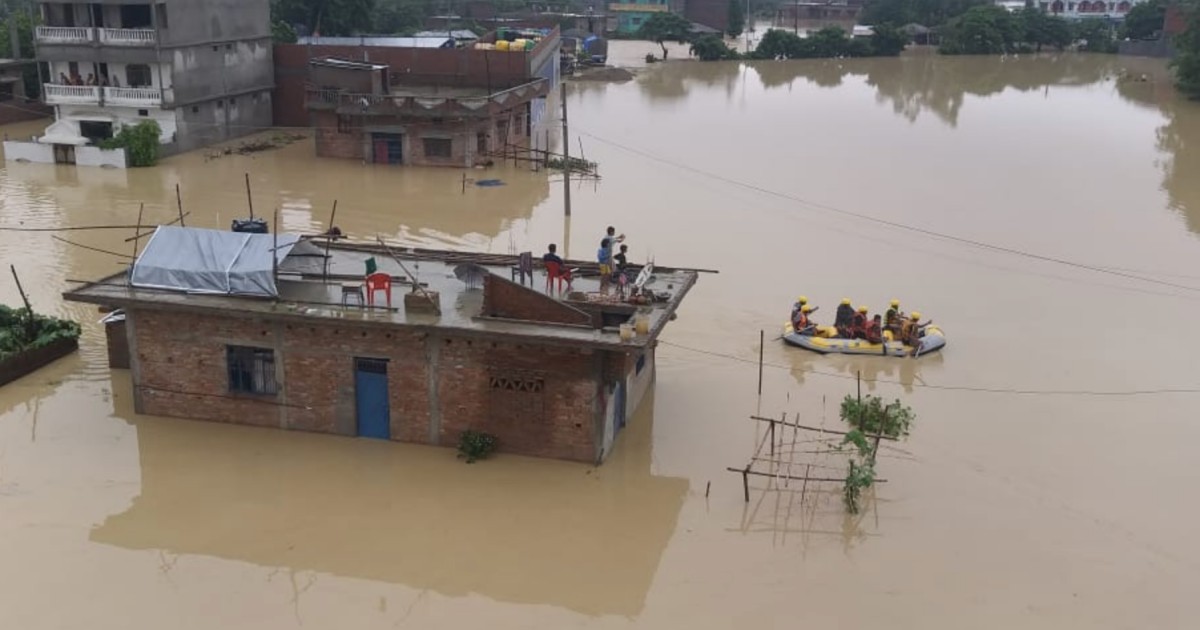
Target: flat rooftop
<point>307,290</point>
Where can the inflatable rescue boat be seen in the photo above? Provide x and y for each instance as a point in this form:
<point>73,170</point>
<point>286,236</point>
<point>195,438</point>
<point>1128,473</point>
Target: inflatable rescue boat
<point>824,339</point>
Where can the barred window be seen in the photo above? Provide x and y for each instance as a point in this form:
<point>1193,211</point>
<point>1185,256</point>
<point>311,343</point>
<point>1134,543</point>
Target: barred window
<point>251,370</point>
<point>437,147</point>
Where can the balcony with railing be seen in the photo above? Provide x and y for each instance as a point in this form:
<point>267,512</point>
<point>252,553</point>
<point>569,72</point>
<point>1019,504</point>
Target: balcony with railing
<point>71,94</point>
<point>128,36</point>
<point>424,101</point>
<point>133,97</point>
<point>64,34</point>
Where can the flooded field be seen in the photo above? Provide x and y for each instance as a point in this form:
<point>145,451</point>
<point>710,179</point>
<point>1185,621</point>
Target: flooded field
<point>1045,484</point>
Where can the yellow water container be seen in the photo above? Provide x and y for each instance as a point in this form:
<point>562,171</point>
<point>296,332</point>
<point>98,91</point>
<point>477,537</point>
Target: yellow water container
<point>642,324</point>
<point>518,45</point>
<point>502,45</point>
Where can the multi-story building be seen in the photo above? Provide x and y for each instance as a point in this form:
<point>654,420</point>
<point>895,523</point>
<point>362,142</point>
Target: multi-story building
<point>1086,8</point>
<point>202,70</point>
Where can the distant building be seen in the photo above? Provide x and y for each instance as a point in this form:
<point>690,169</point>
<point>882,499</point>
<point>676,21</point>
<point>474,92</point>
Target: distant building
<point>15,104</point>
<point>248,329</point>
<point>1084,8</point>
<point>201,70</point>
<point>631,15</point>
<point>807,13</point>
<point>421,106</point>
<point>711,13</point>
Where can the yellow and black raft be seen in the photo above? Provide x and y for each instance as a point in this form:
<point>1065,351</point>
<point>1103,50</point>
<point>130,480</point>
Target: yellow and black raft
<point>824,339</point>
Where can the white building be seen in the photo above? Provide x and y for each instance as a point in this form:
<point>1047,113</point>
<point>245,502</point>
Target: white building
<point>1081,9</point>
<point>203,70</point>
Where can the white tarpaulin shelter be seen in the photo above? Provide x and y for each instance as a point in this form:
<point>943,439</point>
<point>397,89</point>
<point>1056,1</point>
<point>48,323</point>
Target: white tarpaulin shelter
<point>197,260</point>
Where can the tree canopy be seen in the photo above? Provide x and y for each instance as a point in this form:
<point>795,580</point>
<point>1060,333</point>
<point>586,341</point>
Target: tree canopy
<point>663,27</point>
<point>1145,20</point>
<point>326,17</point>
<point>829,42</point>
<point>1187,54</point>
<point>925,12</point>
<point>712,48</point>
<point>737,19</point>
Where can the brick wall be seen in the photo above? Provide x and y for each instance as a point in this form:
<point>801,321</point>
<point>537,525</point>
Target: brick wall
<point>538,400</point>
<point>335,143</point>
<point>509,300</point>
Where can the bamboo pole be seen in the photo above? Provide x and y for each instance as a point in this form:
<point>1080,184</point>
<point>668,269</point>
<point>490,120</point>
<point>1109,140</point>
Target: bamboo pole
<point>30,324</point>
<point>329,238</point>
<point>94,249</point>
<point>747,471</point>
<point>179,204</point>
<point>151,233</point>
<point>138,232</point>
<point>249,199</point>
<point>808,428</point>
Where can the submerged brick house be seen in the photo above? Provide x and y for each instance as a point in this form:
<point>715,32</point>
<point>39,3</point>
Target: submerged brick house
<point>549,375</point>
<point>359,114</point>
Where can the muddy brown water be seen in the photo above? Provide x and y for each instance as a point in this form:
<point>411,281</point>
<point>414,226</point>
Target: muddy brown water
<point>1006,507</point>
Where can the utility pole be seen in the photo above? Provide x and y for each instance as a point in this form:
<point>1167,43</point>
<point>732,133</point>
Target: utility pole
<point>566,141</point>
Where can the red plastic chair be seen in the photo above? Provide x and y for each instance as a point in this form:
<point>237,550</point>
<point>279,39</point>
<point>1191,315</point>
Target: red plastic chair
<point>379,282</point>
<point>555,271</point>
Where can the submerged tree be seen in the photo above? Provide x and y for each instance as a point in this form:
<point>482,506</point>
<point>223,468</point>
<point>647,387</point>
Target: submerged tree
<point>663,27</point>
<point>1145,20</point>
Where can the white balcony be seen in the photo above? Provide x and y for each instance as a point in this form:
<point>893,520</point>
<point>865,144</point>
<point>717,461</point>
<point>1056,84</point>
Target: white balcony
<point>64,35</point>
<point>133,97</point>
<point>128,36</point>
<point>71,94</point>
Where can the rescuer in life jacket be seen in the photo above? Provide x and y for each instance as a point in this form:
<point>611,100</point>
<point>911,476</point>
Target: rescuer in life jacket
<point>802,323</point>
<point>858,323</point>
<point>874,331</point>
<point>894,317</point>
<point>843,318</point>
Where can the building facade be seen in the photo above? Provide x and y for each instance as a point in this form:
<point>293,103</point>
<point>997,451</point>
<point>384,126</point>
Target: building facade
<point>1088,8</point>
<point>202,70</point>
<point>359,115</point>
<point>548,375</point>
<point>631,15</point>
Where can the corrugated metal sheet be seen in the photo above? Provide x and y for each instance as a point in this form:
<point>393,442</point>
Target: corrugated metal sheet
<point>440,41</point>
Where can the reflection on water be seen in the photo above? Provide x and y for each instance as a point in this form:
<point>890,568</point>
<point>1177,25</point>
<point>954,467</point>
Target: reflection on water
<point>512,529</point>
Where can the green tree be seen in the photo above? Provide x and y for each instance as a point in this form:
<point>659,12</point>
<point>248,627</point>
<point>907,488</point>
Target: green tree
<point>830,41</point>
<point>982,30</point>
<point>400,16</point>
<point>887,40</point>
<point>777,44</point>
<point>1145,20</point>
<point>663,27</point>
<point>282,32</point>
<point>925,12</point>
<point>1187,54</point>
<point>1096,35</point>
<point>1039,29</point>
<point>327,17</point>
<point>140,142</point>
<point>712,48</point>
<point>737,19</point>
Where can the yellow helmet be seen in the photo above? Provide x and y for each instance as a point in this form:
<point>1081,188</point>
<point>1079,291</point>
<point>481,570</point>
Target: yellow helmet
<point>895,302</point>
<point>915,316</point>
<point>846,301</point>
<point>863,309</point>
<point>802,299</point>
<point>806,308</point>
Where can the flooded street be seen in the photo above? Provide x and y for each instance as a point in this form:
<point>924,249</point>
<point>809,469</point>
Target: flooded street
<point>1044,211</point>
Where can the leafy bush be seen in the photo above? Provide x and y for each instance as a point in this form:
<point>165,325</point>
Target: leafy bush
<point>1095,35</point>
<point>870,415</point>
<point>858,478</point>
<point>828,43</point>
<point>140,142</point>
<point>15,330</point>
<point>1187,58</point>
<point>712,48</point>
<point>476,445</point>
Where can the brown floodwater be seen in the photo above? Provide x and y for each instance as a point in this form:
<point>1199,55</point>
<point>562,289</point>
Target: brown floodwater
<point>1037,490</point>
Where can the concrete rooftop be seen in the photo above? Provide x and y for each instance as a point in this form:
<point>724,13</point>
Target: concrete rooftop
<point>304,292</point>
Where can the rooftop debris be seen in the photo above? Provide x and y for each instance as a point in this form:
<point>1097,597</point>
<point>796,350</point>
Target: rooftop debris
<point>277,140</point>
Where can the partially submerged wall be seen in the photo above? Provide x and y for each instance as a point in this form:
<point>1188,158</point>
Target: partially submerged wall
<point>538,400</point>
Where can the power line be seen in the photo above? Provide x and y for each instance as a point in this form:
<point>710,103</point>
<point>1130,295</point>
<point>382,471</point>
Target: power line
<point>893,224</point>
<point>954,388</point>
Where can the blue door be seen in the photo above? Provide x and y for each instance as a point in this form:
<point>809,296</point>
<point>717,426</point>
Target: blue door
<point>371,398</point>
<point>619,411</point>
